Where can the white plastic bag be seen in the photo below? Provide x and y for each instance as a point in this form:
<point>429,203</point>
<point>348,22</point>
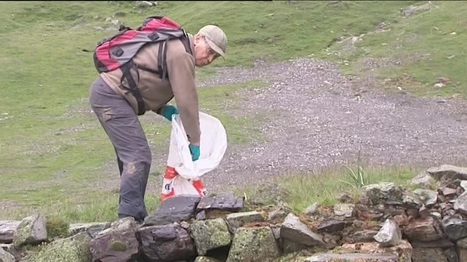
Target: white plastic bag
<point>183,176</point>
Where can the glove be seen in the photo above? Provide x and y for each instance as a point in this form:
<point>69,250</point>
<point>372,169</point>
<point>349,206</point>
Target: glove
<point>168,110</point>
<point>194,150</point>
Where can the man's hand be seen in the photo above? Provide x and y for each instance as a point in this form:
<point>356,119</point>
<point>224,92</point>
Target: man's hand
<point>195,152</point>
<point>168,110</point>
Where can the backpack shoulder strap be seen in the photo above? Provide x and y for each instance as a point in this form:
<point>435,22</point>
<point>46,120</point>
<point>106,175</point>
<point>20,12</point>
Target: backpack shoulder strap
<point>186,43</point>
<point>162,55</point>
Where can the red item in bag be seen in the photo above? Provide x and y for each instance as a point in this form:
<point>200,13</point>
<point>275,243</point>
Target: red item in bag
<point>173,185</point>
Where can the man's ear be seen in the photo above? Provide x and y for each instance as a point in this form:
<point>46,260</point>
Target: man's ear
<point>197,38</point>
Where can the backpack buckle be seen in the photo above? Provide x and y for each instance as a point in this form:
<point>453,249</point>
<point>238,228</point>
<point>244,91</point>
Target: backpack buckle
<point>117,51</point>
<point>154,36</point>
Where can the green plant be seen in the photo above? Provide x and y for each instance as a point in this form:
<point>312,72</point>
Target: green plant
<point>359,177</point>
<point>56,227</point>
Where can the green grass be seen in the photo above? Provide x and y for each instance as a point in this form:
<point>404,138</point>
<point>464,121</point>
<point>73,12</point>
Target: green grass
<point>67,181</point>
<point>54,156</point>
<point>300,190</point>
<point>428,44</point>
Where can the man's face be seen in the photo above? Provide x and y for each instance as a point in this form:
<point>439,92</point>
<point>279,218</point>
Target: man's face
<point>204,55</point>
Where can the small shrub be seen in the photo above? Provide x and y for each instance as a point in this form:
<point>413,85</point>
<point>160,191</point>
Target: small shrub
<point>57,228</point>
<point>358,178</point>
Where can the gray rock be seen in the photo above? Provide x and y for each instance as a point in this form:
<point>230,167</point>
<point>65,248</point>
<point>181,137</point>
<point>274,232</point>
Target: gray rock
<point>345,197</point>
<point>174,209</point>
<point>210,234</point>
<point>403,251</point>
<point>297,231</point>
<point>169,242</point>
<point>276,231</point>
<point>462,254</point>
<point>344,210</point>
<point>221,202</point>
<point>117,243</point>
<point>441,243</point>
<point>124,224</point>
<point>447,191</point>
<point>91,228</point>
<point>428,197</point>
<point>428,254</point>
<point>72,249</point>
<point>462,243</point>
<point>448,172</point>
<point>201,215</point>
<point>311,209</point>
<point>236,220</point>
<point>411,200</point>
<point>331,226</point>
<point>426,229</point>
<point>436,215</point>
<point>145,4</point>
<point>31,230</point>
<point>350,257</point>
<point>362,236</point>
<point>423,179</point>
<point>460,205</point>
<point>383,192</point>
<point>7,230</point>
<point>413,9</point>
<point>6,257</point>
<point>464,184</point>
<point>389,235</point>
<point>278,215</point>
<point>253,244</point>
<point>451,255</point>
<point>289,246</point>
<point>424,212</point>
<point>454,228</point>
<point>15,251</point>
<point>8,247</point>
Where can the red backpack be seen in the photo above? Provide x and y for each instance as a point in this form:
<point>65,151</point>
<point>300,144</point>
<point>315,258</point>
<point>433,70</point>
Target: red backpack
<point>117,52</point>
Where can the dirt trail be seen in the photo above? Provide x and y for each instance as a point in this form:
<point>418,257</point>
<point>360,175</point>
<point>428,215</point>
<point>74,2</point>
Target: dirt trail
<point>315,119</point>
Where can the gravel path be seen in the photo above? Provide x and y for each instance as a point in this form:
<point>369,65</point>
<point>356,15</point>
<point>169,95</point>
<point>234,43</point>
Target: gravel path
<point>316,118</point>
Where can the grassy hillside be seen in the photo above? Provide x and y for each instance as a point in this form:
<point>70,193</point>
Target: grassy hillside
<point>53,151</point>
<point>415,51</point>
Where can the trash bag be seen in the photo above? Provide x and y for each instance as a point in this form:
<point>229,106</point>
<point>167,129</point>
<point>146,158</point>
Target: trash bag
<point>182,175</point>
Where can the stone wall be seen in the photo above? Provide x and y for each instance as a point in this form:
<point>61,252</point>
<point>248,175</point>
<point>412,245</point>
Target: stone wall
<point>385,223</point>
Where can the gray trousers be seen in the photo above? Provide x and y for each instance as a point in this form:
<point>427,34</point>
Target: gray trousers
<point>131,146</point>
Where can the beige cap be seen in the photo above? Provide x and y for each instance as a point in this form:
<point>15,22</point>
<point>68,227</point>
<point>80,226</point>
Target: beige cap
<point>215,37</point>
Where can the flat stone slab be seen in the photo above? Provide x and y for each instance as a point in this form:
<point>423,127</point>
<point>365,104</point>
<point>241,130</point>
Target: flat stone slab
<point>448,172</point>
<point>7,230</point>
<point>221,202</point>
<point>91,228</point>
<point>174,209</point>
<point>236,220</point>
